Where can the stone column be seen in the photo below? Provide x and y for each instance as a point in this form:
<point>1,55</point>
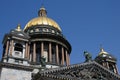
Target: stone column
<point>26,50</point>
<point>103,64</point>
<point>107,65</point>
<point>116,69</point>
<point>62,56</point>
<point>68,59</point>
<point>66,54</point>
<point>57,58</point>
<point>11,47</point>
<point>34,52</point>
<point>50,52</point>
<point>7,47</point>
<point>42,49</point>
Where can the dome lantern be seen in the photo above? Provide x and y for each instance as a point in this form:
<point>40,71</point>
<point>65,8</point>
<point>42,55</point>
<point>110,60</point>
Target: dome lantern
<point>102,52</point>
<point>18,27</point>
<point>42,12</point>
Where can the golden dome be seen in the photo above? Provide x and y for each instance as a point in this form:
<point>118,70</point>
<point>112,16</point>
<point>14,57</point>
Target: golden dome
<point>102,52</point>
<point>42,19</point>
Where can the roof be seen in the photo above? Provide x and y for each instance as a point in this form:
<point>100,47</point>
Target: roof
<point>84,71</point>
<point>17,34</point>
<point>20,34</point>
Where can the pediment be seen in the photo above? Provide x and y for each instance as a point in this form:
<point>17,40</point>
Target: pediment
<point>84,71</point>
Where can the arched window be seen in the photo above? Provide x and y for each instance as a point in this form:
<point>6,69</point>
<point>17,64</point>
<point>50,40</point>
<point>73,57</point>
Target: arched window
<point>18,47</point>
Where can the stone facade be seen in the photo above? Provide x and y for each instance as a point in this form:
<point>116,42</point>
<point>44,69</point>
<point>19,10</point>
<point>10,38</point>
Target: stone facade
<point>15,74</point>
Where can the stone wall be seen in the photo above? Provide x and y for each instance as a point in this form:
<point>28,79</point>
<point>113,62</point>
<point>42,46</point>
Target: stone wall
<point>14,74</point>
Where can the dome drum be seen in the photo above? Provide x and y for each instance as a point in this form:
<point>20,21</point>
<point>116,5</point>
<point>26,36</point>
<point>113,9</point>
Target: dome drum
<point>43,30</point>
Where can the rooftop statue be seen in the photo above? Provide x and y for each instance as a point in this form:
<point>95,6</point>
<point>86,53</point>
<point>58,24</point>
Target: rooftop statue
<point>88,56</point>
<point>43,63</point>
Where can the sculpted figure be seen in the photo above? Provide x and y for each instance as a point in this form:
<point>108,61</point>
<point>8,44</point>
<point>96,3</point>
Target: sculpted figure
<point>88,56</point>
<point>43,63</point>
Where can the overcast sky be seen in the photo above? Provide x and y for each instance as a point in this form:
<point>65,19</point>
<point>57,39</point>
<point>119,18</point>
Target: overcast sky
<point>87,24</point>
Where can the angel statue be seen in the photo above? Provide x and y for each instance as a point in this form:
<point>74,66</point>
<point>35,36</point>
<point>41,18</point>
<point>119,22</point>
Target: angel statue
<point>88,56</point>
<point>43,63</point>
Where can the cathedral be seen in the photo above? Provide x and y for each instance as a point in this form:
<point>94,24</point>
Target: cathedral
<point>41,52</point>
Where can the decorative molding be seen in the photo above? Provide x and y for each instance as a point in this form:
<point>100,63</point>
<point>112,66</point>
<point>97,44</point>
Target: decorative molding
<point>15,66</point>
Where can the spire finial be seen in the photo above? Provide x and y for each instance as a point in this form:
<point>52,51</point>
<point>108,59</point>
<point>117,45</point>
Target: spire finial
<point>101,48</point>
<point>18,27</point>
<point>42,12</point>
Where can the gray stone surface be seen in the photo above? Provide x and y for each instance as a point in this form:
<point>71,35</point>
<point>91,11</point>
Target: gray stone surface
<point>13,74</point>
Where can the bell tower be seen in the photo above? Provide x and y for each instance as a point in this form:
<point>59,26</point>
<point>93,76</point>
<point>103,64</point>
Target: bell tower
<point>107,61</point>
<point>15,47</point>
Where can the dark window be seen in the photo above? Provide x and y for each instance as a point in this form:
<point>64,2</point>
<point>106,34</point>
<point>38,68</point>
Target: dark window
<point>18,47</point>
<point>111,67</point>
<point>38,55</point>
<point>53,54</point>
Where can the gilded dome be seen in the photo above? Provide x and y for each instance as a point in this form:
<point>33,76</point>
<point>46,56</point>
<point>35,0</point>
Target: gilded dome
<point>106,55</point>
<point>42,19</point>
<point>102,52</point>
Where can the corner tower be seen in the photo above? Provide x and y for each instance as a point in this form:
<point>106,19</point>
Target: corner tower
<point>47,40</point>
<point>14,47</point>
<point>107,61</point>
